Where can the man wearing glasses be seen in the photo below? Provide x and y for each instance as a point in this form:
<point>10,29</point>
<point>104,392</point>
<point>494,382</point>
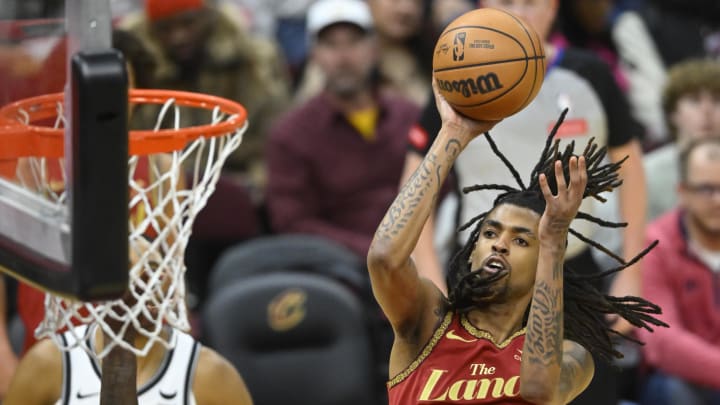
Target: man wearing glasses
<point>682,275</point>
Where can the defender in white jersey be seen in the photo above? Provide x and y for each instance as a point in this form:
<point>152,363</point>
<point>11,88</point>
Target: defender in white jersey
<point>169,385</point>
<point>187,374</point>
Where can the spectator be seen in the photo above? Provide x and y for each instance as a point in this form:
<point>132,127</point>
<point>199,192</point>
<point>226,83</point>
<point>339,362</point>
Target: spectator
<point>197,47</point>
<point>581,82</point>
<point>283,20</point>
<point>587,24</point>
<point>406,40</point>
<point>654,37</point>
<point>444,11</point>
<point>200,46</point>
<point>691,104</point>
<point>335,160</point>
<point>682,276</point>
<point>406,46</point>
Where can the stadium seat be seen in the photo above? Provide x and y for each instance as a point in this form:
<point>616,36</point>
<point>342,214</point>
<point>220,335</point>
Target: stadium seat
<point>296,338</point>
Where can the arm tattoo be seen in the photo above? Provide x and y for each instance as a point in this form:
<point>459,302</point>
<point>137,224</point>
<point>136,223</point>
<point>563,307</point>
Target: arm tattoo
<point>544,326</point>
<point>452,147</point>
<point>409,197</point>
<point>417,186</point>
<point>557,272</point>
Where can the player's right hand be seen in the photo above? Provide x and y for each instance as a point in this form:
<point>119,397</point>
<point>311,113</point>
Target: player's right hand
<point>457,122</point>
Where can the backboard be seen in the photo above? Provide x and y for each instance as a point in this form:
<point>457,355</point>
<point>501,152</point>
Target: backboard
<point>64,202</point>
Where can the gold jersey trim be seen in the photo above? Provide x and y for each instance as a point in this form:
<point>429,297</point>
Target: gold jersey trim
<point>439,332</point>
<point>478,333</point>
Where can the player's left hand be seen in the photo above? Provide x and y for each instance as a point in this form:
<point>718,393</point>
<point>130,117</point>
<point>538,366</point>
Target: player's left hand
<point>561,209</point>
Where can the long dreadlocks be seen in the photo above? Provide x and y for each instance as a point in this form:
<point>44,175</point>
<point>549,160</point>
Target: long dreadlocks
<point>585,307</point>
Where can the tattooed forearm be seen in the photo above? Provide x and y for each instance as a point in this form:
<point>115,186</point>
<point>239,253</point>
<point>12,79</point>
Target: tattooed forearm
<point>544,328</point>
<point>453,148</point>
<point>409,198</point>
<point>427,178</point>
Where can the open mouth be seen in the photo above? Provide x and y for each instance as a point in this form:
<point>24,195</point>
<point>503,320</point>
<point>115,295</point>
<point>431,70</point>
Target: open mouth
<point>494,265</point>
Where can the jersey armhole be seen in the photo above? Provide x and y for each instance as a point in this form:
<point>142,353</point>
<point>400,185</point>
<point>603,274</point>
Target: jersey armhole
<point>66,376</point>
<point>424,353</point>
<point>190,375</point>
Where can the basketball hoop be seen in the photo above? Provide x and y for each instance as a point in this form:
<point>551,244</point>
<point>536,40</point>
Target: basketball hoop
<point>163,205</point>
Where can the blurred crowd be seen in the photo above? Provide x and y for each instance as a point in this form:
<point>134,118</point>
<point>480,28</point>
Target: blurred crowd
<point>340,111</point>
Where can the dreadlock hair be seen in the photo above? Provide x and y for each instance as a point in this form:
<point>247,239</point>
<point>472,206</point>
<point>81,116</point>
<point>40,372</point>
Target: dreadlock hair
<point>584,306</point>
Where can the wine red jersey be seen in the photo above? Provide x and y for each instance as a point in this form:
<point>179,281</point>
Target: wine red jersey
<point>461,365</point>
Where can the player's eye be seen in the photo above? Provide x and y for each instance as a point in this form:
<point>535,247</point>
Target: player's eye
<point>488,233</point>
<point>521,242</point>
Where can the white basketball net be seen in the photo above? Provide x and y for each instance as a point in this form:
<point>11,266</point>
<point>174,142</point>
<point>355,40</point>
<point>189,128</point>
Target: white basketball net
<point>163,205</point>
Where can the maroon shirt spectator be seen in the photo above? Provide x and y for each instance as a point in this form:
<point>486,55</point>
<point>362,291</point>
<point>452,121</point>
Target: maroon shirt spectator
<point>334,163</point>
<point>326,179</point>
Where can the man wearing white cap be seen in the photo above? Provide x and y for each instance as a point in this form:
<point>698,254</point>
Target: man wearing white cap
<point>334,162</point>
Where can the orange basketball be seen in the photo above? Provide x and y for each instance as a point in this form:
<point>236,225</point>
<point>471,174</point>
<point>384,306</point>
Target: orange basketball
<point>489,64</point>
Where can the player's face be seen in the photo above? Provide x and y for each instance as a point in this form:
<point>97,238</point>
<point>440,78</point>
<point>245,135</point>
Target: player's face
<point>346,54</point>
<point>508,244</point>
<point>697,115</point>
<point>397,19</point>
<point>700,192</point>
<point>149,276</point>
<point>540,14</point>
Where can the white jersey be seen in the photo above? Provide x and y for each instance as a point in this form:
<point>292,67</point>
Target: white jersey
<point>172,384</point>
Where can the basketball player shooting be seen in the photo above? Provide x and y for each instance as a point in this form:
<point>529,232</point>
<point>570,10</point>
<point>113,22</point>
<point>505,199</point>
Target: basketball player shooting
<point>518,326</point>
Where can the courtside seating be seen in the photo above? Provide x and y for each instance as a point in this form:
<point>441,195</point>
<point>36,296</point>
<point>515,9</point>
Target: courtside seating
<point>295,337</point>
<point>296,252</point>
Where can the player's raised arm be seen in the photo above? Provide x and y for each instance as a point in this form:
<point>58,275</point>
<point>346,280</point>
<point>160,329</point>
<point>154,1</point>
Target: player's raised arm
<point>554,371</point>
<point>395,281</point>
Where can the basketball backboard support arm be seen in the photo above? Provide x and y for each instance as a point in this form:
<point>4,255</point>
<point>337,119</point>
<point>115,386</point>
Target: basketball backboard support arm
<point>79,248</point>
<point>99,198</point>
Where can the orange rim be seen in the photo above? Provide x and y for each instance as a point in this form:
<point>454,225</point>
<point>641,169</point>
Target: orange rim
<point>18,139</point>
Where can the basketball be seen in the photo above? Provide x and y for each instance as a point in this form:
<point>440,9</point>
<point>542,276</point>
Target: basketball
<point>489,64</point>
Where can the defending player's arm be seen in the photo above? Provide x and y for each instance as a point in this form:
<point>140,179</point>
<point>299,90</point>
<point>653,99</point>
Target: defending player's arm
<point>38,378</point>
<point>553,371</point>
<point>396,284</point>
<point>217,382</point>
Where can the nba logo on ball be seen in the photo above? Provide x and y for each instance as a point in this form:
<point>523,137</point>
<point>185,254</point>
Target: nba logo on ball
<point>459,47</point>
<point>497,65</point>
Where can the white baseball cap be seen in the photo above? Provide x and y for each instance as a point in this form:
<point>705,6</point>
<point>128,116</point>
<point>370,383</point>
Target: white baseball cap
<point>324,13</point>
